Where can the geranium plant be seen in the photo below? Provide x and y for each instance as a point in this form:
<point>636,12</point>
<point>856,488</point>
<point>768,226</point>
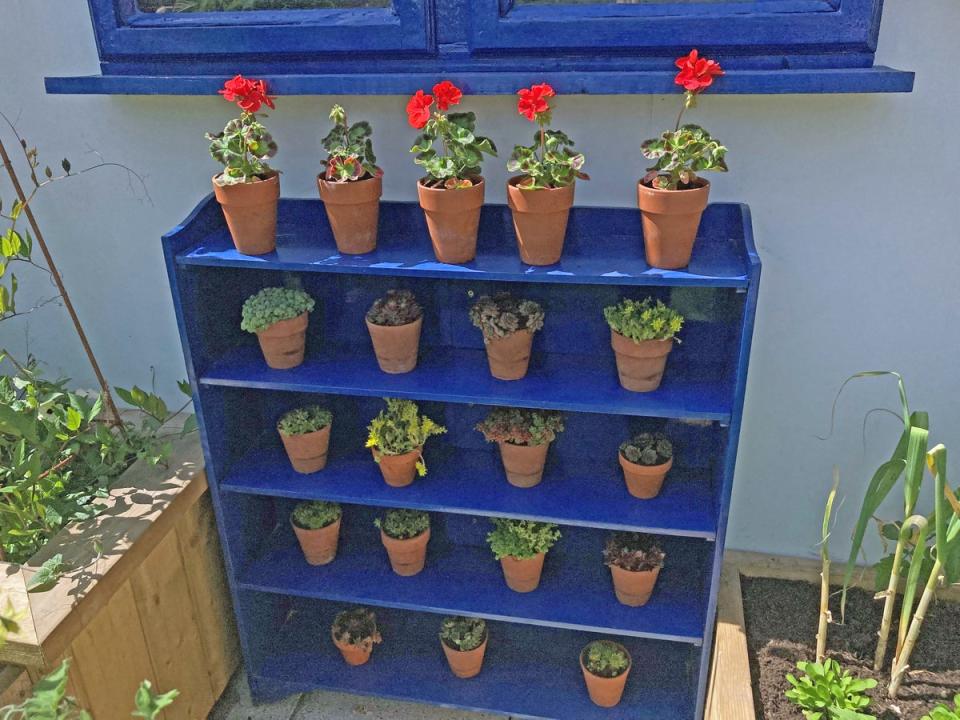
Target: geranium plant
<point>686,150</point>
<point>244,145</point>
<point>457,165</point>
<point>550,162</point>
<point>349,150</point>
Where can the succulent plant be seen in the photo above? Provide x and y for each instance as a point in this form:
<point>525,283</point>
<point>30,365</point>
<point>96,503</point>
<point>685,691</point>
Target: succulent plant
<point>400,429</point>
<point>397,307</point>
<point>606,658</point>
<point>521,426</point>
<point>349,150</point>
<point>401,524</point>
<point>503,315</point>
<point>521,539</point>
<point>304,420</point>
<point>273,304</point>
<point>643,320</point>
<point>463,633</point>
<point>315,514</point>
<point>357,627</point>
<point>648,449</point>
<point>635,552</point>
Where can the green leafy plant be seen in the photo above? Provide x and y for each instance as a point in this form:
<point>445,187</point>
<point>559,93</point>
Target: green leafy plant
<point>826,688</point>
<point>273,304</point>
<point>942,712</point>
<point>402,524</point>
<point>301,421</point>
<point>645,319</point>
<point>357,627</point>
<point>47,574</point>
<point>401,429</point>
<point>315,514</point>
<point>149,704</point>
<point>463,633</point>
<point>397,307</point>
<point>244,145</point>
<point>647,449</point>
<point>633,551</point>
<point>521,426</point>
<point>606,658</point>
<point>462,150</point>
<point>349,150</point>
<point>503,315</point>
<point>521,539</point>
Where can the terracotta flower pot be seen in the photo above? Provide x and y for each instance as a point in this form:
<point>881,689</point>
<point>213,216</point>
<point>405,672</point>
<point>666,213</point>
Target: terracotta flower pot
<point>353,209</point>
<point>633,588</point>
<point>396,346</point>
<point>307,451</point>
<point>407,557</point>
<point>250,210</point>
<point>465,663</point>
<point>353,654</point>
<point>319,546</point>
<point>670,222</point>
<point>640,365</point>
<point>284,343</point>
<point>453,218</point>
<point>522,575</point>
<point>509,356</point>
<point>605,692</point>
<point>644,481</point>
<point>540,221</point>
<point>398,470</point>
<point>523,463</point>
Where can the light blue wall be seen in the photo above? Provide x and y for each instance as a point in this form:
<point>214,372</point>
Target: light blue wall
<point>853,199</point>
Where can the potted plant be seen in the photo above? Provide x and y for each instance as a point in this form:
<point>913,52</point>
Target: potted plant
<point>605,666</point>
<point>396,438</point>
<point>521,546</point>
<point>278,316</point>
<point>672,197</point>
<point>316,524</point>
<point>540,197</point>
<point>451,194</point>
<point>394,322</point>
<point>355,633</point>
<point>524,436</point>
<point>508,325</point>
<point>634,560</point>
<point>305,433</point>
<point>248,189</point>
<point>464,642</point>
<point>405,534</point>
<point>646,459</point>
<point>642,334</point>
<point>350,185</point>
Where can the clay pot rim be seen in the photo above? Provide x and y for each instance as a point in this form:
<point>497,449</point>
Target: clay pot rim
<point>384,453</point>
<point>420,183</point>
<point>701,184</point>
<point>486,636</point>
<point>516,179</point>
<point>648,340</point>
<point>365,178</point>
<point>647,468</point>
<point>635,572</point>
<point>601,677</point>
<point>322,527</point>
<point>273,175</point>
<point>415,537</point>
<point>505,337</point>
<point>416,319</point>
<point>308,432</point>
<point>519,559</point>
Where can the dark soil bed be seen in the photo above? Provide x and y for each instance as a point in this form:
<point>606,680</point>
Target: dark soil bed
<point>781,619</point>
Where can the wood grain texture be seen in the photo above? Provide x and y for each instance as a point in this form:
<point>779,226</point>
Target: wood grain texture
<point>730,696</point>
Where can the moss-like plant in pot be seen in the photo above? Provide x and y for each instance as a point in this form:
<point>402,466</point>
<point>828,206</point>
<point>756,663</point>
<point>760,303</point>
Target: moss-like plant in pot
<point>355,633</point>
<point>646,459</point>
<point>606,665</point>
<point>524,436</point>
<point>672,196</point>
<point>279,316</point>
<point>316,523</point>
<point>405,534</point>
<point>248,189</point>
<point>394,322</point>
<point>642,334</point>
<point>464,642</point>
<point>635,560</point>
<point>350,184</point>
<point>451,194</point>
<point>396,438</point>
<point>305,433</point>
<point>508,325</point>
<point>521,546</point>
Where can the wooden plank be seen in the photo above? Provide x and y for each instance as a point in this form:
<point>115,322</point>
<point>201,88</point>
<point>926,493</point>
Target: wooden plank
<point>15,685</point>
<point>161,590</point>
<point>21,647</point>
<point>75,685</point>
<point>730,695</point>
<point>200,554</point>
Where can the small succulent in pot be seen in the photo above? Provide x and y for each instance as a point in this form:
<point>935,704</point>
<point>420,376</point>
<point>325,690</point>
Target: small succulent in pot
<point>464,642</point>
<point>305,433</point>
<point>405,534</point>
<point>278,316</point>
<point>635,561</point>
<point>648,449</point>
<point>396,437</point>
<point>606,665</point>
<point>355,633</point>
<point>403,524</point>
<point>646,459</point>
<point>394,322</point>
<point>523,436</point>
<point>301,421</point>
<point>316,523</point>
<point>642,334</point>
<point>395,308</point>
<point>521,546</point>
<point>349,150</point>
<point>507,324</point>
<point>315,514</point>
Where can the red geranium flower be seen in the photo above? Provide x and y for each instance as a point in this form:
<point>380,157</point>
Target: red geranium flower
<point>447,94</point>
<point>696,73</point>
<point>247,93</point>
<point>418,109</point>
<point>533,100</point>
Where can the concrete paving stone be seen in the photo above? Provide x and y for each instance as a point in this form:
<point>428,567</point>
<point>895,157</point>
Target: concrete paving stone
<point>322,705</point>
<point>236,704</point>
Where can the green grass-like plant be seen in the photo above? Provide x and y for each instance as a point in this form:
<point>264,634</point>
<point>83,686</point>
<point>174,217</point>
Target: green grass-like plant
<point>273,304</point>
<point>402,524</point>
<point>521,426</point>
<point>315,514</point>
<point>646,319</point>
<point>304,420</point>
<point>648,449</point>
<point>942,712</point>
<point>463,633</point>
<point>521,539</point>
<point>606,658</point>
<point>825,691</point>
<point>401,429</point>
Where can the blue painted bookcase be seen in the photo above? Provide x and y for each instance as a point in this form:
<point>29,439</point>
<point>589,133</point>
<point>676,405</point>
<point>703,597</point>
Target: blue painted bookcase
<point>284,607</point>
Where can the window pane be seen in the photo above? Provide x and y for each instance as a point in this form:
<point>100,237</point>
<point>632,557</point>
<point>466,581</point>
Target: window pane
<point>159,6</point>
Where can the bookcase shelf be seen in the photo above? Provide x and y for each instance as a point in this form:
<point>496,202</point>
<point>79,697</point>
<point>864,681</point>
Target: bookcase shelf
<point>284,607</point>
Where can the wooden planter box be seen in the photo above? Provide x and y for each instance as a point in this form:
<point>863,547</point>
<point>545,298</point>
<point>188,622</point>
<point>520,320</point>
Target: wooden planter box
<point>145,598</point>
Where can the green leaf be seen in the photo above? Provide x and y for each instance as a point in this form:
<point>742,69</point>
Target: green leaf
<point>10,243</point>
<point>149,704</point>
<point>48,574</point>
<point>74,418</point>
<point>18,424</point>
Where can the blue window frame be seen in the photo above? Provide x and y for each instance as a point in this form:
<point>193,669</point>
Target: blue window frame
<point>492,47</point>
